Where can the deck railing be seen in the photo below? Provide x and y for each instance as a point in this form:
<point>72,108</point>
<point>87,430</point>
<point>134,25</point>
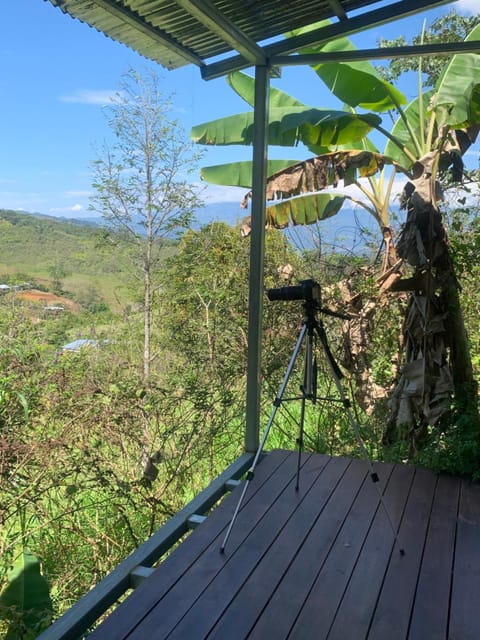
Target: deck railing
<point>137,566</point>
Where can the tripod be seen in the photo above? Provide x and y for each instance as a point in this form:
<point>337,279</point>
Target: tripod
<point>312,327</point>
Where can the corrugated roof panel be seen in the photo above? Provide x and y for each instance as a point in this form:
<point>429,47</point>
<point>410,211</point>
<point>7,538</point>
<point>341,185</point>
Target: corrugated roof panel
<point>175,33</point>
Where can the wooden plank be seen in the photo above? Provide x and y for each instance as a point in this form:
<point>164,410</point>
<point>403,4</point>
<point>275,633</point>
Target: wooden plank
<point>465,612</point>
<point>210,566</point>
<point>244,587</point>
<point>321,606</point>
<point>143,599</point>
<point>394,607</point>
<point>432,597</point>
<point>358,603</point>
<point>282,608</point>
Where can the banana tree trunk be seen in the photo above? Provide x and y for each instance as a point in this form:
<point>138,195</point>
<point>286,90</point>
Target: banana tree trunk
<point>437,371</point>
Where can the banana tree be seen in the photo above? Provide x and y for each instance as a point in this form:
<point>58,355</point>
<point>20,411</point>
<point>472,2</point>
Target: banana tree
<point>428,139</point>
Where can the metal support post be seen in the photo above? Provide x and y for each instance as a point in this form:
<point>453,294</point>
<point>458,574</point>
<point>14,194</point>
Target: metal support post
<point>257,251</point>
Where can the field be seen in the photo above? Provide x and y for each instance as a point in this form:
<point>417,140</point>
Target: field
<point>47,299</point>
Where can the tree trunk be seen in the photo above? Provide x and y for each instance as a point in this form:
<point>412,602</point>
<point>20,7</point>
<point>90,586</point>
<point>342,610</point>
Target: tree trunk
<point>148,470</point>
<point>147,318</point>
<point>437,367</point>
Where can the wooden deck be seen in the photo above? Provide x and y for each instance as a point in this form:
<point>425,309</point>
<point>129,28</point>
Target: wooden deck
<point>320,562</point>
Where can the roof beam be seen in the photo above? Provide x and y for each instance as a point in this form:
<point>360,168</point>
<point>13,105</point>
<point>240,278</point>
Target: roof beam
<point>324,34</point>
<point>437,49</point>
<point>363,22</point>
<point>337,9</point>
<point>217,23</point>
<point>138,24</point>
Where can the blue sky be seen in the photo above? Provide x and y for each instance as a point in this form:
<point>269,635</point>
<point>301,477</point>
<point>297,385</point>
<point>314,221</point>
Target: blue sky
<point>56,73</point>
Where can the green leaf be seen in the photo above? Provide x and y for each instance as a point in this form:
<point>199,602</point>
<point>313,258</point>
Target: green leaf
<point>28,595</point>
<point>238,129</point>
<point>239,174</point>
<point>304,210</point>
<point>357,88</point>
<point>401,133</point>
<point>23,401</point>
<point>327,128</point>
<point>288,126</point>
<point>355,83</point>
<point>244,86</point>
<point>457,102</point>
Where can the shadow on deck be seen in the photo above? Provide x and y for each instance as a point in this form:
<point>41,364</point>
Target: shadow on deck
<point>321,562</point>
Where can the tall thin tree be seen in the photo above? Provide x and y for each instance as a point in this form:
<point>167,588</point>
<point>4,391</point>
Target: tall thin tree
<point>141,181</point>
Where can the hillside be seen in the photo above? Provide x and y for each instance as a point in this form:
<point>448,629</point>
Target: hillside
<point>42,249</point>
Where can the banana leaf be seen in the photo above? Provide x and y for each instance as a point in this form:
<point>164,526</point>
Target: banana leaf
<point>288,126</point>
<point>239,174</point>
<point>304,210</point>
<point>244,86</point>
<point>401,133</point>
<point>457,102</point>
<point>355,83</point>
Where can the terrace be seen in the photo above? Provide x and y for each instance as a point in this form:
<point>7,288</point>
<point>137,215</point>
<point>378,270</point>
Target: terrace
<point>320,562</point>
<point>324,560</point>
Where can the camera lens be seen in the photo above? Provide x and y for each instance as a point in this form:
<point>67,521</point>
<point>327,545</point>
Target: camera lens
<point>286,293</point>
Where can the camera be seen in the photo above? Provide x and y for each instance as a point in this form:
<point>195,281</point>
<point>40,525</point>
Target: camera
<point>307,290</point>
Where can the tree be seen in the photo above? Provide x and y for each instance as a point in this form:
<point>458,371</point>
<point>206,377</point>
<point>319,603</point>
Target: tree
<point>451,27</point>
<point>141,181</point>
<point>426,142</point>
<point>205,308</point>
<point>57,272</point>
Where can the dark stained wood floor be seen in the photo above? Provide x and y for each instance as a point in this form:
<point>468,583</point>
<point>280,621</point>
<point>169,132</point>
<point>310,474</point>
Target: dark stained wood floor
<point>321,562</point>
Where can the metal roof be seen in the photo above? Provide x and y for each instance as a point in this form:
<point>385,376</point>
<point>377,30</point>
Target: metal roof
<point>220,36</point>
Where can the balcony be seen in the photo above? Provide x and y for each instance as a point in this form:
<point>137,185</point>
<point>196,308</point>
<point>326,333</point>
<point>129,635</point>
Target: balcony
<point>323,561</point>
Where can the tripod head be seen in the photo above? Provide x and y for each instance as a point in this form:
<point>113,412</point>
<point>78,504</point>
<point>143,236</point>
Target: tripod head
<point>307,290</point>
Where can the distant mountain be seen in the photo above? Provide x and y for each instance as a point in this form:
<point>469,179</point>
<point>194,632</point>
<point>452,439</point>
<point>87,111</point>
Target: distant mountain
<point>348,230</point>
<point>229,212</point>
<point>6,213</point>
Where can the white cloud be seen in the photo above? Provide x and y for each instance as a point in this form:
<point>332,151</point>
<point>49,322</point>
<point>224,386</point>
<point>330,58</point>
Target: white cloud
<point>57,211</point>
<point>468,6</point>
<point>90,96</point>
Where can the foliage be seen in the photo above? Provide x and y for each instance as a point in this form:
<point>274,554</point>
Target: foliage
<point>427,140</point>
<point>205,309</point>
<point>93,460</point>
<point>26,599</point>
<point>451,27</point>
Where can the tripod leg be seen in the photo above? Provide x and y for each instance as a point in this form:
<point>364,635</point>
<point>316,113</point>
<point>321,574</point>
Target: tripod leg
<point>308,391</point>
<point>337,375</point>
<point>300,443</point>
<point>276,404</point>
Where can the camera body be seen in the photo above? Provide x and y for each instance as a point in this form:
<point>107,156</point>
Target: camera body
<point>307,290</point>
